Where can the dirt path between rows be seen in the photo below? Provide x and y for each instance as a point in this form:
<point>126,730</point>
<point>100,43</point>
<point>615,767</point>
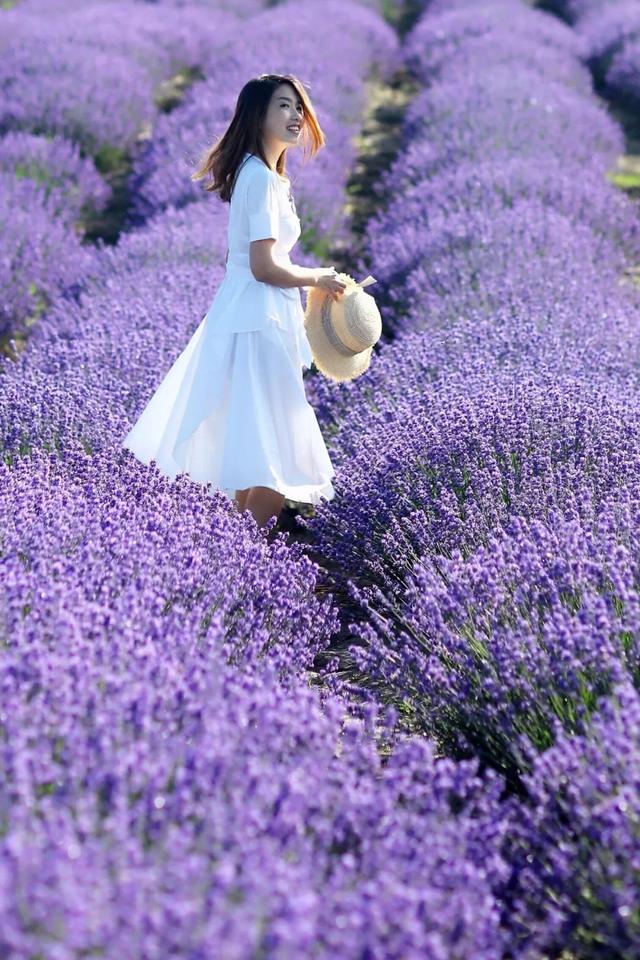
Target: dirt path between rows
<point>378,146</point>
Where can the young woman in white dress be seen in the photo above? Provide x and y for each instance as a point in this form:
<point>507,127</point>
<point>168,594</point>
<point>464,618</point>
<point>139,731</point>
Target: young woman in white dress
<point>232,410</point>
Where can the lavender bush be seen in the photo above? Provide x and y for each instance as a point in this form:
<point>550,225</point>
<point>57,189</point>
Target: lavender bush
<point>156,558</point>
<point>71,71</point>
<point>43,257</point>
<point>610,33</point>
<point>452,267</point>
<point>70,182</point>
<point>452,32</point>
<point>487,650</point>
<point>502,115</point>
<point>574,846</point>
<point>445,476</point>
<point>100,101</point>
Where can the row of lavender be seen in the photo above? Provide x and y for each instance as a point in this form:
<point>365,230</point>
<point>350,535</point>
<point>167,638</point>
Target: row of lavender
<point>610,31</point>
<point>490,458</point>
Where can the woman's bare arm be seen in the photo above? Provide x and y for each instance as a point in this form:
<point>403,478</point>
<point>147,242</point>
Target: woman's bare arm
<point>264,267</point>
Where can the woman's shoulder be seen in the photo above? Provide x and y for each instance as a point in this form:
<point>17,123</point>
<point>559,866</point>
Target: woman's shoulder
<point>259,169</point>
<point>253,174</point>
<point>255,168</point>
<point>251,170</point>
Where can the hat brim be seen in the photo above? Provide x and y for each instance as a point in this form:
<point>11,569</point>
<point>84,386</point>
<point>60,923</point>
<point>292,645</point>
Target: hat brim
<point>332,364</point>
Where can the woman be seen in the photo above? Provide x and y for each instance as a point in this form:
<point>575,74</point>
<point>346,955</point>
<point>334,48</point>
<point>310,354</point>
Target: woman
<point>232,410</point>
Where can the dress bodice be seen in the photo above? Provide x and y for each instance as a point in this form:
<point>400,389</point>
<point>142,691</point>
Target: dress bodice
<point>261,207</point>
<point>252,176</point>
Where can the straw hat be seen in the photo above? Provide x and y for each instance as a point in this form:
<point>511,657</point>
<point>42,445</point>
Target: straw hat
<point>341,333</point>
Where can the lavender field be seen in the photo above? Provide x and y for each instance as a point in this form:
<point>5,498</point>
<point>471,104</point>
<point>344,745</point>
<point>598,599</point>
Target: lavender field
<point>408,725</point>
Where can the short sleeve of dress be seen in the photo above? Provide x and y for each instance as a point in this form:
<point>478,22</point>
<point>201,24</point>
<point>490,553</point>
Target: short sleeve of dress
<point>262,206</point>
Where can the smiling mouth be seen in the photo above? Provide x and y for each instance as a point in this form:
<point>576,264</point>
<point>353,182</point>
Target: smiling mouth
<point>294,129</point>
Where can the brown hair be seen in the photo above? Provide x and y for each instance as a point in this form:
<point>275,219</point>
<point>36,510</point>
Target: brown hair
<point>221,162</point>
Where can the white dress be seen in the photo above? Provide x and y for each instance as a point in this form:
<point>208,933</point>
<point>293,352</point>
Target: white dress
<point>232,409</point>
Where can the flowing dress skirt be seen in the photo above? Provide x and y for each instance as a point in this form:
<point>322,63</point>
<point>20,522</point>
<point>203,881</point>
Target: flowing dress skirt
<point>232,411</point>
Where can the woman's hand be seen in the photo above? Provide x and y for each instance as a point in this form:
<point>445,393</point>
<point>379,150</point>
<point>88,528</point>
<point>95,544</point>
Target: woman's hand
<point>327,280</point>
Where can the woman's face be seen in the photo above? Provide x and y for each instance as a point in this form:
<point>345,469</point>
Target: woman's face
<point>284,118</point>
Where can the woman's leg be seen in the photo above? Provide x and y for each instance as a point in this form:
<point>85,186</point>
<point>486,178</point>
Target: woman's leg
<point>240,499</point>
<point>263,502</point>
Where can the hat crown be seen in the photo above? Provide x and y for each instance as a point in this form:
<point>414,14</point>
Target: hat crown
<point>356,319</point>
<point>342,332</point>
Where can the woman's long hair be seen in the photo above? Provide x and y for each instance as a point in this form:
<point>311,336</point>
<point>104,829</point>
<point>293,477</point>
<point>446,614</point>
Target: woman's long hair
<point>222,161</point>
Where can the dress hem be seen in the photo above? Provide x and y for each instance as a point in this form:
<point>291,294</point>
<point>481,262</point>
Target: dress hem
<point>310,494</point>
<point>302,493</point>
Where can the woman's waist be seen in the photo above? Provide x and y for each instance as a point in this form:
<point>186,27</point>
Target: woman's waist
<point>241,290</point>
<point>240,261</point>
